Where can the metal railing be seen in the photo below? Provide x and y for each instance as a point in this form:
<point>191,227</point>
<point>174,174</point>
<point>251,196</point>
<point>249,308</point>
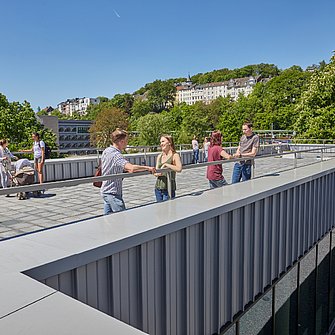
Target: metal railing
<point>76,182</point>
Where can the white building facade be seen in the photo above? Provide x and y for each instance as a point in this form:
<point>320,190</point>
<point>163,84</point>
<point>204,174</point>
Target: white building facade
<point>192,93</point>
<point>76,105</point>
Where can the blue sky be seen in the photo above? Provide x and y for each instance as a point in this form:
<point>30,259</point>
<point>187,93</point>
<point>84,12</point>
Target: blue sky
<point>55,50</point>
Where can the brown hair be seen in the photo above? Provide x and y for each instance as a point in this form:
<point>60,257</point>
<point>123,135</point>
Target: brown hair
<point>3,141</point>
<point>118,135</point>
<point>37,135</point>
<point>170,140</point>
<point>248,124</point>
<point>216,138</point>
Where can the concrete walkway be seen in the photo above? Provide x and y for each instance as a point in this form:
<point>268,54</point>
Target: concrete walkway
<point>72,204</point>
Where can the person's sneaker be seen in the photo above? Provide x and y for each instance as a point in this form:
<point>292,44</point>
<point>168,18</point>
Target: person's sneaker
<point>7,195</point>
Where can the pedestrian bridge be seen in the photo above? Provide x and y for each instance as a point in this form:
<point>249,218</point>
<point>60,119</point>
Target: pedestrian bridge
<point>223,261</point>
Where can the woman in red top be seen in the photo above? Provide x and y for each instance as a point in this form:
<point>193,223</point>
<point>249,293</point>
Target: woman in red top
<point>215,153</point>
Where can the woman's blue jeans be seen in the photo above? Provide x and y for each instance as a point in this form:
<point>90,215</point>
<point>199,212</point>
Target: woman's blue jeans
<point>162,195</point>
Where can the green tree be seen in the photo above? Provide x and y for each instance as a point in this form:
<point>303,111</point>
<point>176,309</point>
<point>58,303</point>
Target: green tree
<point>141,108</point>
<point>151,127</point>
<point>123,101</point>
<point>161,95</point>
<point>108,119</point>
<point>195,122</point>
<point>316,108</point>
<point>275,100</point>
<point>18,121</point>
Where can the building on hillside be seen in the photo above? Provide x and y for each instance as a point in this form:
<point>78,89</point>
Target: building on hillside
<point>76,105</point>
<point>48,110</point>
<point>72,135</point>
<point>191,93</point>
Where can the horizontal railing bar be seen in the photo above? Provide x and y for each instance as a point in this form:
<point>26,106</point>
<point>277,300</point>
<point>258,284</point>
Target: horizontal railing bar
<point>80,181</point>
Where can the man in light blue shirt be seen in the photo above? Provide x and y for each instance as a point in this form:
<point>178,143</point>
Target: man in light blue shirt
<point>113,162</point>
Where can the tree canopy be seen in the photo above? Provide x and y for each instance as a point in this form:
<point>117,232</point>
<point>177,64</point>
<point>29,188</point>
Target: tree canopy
<point>316,108</point>
<point>18,121</point>
<point>108,119</point>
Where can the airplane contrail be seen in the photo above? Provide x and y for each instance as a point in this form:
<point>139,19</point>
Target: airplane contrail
<point>116,13</point>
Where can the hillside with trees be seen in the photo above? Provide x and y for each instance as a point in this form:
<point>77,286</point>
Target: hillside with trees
<point>283,102</point>
<point>294,99</point>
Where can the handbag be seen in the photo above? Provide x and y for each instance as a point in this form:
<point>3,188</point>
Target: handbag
<point>97,174</point>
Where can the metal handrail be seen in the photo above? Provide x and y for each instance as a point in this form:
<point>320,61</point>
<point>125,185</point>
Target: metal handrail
<point>76,182</point>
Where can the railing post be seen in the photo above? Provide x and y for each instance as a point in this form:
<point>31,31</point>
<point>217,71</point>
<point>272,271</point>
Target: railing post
<point>98,158</point>
<point>145,155</point>
<point>253,169</point>
<point>322,153</point>
<point>169,184</point>
<point>295,160</point>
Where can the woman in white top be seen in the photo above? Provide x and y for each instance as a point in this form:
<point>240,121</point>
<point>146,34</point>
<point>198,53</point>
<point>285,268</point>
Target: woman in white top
<point>39,155</point>
<point>5,164</point>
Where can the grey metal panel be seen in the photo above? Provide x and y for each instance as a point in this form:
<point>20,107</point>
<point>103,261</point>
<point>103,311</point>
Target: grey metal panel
<point>289,227</point>
<point>153,315</point>
<point>237,260</point>
<point>66,169</point>
<point>268,227</point>
<point>53,282</point>
<point>115,283</point>
<point>124,286</point>
<point>176,309</point>
<point>211,276</point>
<point>81,284</point>
<point>275,236</point>
<point>295,222</point>
<point>82,169</point>
<point>74,170</point>
<point>315,213</point>
<point>104,292</point>
<point>144,287</point>
<point>282,231</point>
<point>310,195</point>
<point>195,282</point>
<point>250,254</point>
<point>66,283</point>
<point>135,317</point>
<point>92,284</point>
<point>225,267</point>
<point>258,222</point>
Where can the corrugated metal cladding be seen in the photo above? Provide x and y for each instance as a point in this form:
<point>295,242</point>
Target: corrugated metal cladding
<point>193,281</point>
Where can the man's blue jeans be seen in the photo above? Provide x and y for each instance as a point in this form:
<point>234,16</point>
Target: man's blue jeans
<point>241,171</point>
<point>113,203</point>
<point>162,195</point>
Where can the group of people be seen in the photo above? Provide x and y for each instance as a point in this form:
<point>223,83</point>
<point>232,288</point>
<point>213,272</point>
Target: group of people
<point>248,148</point>
<point>6,157</point>
<point>113,162</point>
